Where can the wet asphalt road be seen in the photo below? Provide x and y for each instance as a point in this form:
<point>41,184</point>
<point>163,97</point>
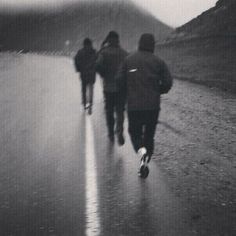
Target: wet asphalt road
<point>59,173</point>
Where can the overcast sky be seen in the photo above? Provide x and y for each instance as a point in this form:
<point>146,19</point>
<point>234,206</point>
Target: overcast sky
<point>172,12</point>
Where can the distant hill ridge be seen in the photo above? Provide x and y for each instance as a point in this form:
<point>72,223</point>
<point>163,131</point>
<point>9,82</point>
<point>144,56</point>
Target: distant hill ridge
<point>217,21</point>
<point>204,50</point>
<point>64,29</point>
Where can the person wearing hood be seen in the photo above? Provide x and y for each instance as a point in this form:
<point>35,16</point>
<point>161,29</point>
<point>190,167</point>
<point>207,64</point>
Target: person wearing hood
<point>109,60</point>
<point>141,80</point>
<point>85,64</point>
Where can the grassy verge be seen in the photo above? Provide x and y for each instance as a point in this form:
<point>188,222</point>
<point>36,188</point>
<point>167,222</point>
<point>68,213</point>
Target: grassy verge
<point>208,61</point>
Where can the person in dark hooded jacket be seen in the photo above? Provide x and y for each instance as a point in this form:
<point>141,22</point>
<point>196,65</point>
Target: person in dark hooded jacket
<point>85,64</point>
<point>142,78</point>
<point>109,60</point>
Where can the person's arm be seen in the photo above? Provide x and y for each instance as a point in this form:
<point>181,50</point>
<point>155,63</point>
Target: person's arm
<point>77,62</point>
<point>166,79</point>
<point>121,80</point>
<point>121,76</point>
<point>99,65</point>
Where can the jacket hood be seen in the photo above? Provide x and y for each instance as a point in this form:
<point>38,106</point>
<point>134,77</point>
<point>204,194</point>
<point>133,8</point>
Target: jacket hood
<point>147,43</point>
<point>112,39</point>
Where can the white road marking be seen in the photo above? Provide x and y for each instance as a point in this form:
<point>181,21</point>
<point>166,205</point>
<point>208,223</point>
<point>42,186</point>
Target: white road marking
<point>92,205</point>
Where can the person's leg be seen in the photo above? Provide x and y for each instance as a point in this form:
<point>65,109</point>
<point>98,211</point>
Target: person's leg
<point>83,91</point>
<point>120,120</point>
<point>135,129</point>
<point>109,110</point>
<point>90,97</point>
<point>151,120</point>
<point>90,93</point>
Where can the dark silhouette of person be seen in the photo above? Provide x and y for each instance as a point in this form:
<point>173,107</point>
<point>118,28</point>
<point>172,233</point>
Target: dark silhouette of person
<point>109,59</point>
<point>141,80</point>
<point>85,60</point>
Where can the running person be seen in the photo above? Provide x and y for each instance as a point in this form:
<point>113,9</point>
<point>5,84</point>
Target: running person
<point>85,64</point>
<point>109,59</point>
<point>142,78</point>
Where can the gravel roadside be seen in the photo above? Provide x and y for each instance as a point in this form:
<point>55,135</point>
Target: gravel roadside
<point>196,148</point>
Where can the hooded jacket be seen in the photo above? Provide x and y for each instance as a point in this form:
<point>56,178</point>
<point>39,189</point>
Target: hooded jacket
<point>85,64</point>
<point>107,65</point>
<point>143,77</point>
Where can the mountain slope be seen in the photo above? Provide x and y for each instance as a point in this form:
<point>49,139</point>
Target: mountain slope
<point>204,50</point>
<point>217,21</point>
<point>49,31</point>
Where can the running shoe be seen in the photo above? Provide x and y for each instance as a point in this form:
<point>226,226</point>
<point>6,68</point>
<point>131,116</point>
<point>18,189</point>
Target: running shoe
<point>120,139</point>
<point>144,159</point>
<point>88,107</point>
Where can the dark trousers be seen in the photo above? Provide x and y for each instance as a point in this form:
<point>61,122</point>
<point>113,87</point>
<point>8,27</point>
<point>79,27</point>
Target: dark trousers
<point>114,109</point>
<point>87,92</point>
<point>142,127</point>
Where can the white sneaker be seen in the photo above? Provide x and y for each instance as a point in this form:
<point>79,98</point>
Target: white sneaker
<point>87,106</point>
<point>144,159</point>
<point>142,151</point>
<point>142,154</point>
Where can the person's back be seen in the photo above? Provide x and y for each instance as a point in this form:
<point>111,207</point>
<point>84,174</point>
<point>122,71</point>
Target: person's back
<point>113,56</point>
<point>147,79</point>
<point>108,63</point>
<point>85,61</point>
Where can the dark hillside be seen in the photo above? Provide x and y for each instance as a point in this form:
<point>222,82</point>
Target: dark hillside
<point>204,49</point>
<point>210,62</point>
<point>217,21</point>
<point>64,29</point>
